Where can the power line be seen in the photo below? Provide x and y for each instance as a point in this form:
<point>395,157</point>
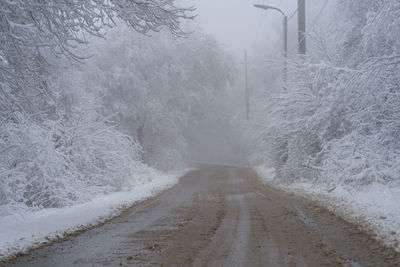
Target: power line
<point>314,23</point>
<point>319,15</point>
<point>294,13</point>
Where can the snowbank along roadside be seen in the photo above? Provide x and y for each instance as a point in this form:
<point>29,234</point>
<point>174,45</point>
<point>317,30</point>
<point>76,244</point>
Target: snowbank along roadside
<point>19,233</point>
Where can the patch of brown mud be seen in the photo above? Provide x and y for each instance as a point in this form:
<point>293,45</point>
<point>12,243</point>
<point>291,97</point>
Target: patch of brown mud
<point>177,242</point>
<point>348,242</point>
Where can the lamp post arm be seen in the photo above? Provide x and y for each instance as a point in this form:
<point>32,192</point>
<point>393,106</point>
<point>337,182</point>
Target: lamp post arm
<point>270,7</point>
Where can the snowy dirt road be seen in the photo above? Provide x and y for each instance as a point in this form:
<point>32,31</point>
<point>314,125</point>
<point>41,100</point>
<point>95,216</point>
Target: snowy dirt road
<point>219,216</point>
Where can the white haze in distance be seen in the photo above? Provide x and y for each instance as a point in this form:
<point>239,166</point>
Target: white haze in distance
<point>239,26</point>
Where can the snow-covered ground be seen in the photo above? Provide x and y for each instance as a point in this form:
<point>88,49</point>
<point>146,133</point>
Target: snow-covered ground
<point>374,207</point>
<point>18,233</point>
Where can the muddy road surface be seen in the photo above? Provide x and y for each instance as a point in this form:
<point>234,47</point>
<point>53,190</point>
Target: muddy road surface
<point>219,216</point>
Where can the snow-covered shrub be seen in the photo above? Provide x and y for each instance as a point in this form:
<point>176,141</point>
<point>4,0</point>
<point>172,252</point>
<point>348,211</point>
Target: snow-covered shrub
<point>369,104</point>
<point>60,163</point>
<point>33,173</point>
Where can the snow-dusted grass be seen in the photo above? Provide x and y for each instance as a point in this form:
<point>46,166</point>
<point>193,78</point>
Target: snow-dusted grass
<point>374,207</point>
<point>18,233</point>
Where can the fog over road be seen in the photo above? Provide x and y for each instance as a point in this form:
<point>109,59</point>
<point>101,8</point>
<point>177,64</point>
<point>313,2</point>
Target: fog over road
<point>219,216</point>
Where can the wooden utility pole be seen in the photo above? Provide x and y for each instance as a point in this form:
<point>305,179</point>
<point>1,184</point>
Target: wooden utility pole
<point>285,49</point>
<point>302,26</point>
<point>246,79</point>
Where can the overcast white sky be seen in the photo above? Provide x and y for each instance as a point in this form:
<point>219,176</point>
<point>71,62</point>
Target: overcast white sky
<point>238,25</point>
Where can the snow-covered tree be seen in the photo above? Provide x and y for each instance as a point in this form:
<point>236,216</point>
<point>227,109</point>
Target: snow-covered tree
<point>33,32</point>
<point>158,88</point>
<point>337,122</point>
<point>51,149</point>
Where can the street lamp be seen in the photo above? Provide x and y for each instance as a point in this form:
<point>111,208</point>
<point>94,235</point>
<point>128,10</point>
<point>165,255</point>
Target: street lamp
<point>285,36</point>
